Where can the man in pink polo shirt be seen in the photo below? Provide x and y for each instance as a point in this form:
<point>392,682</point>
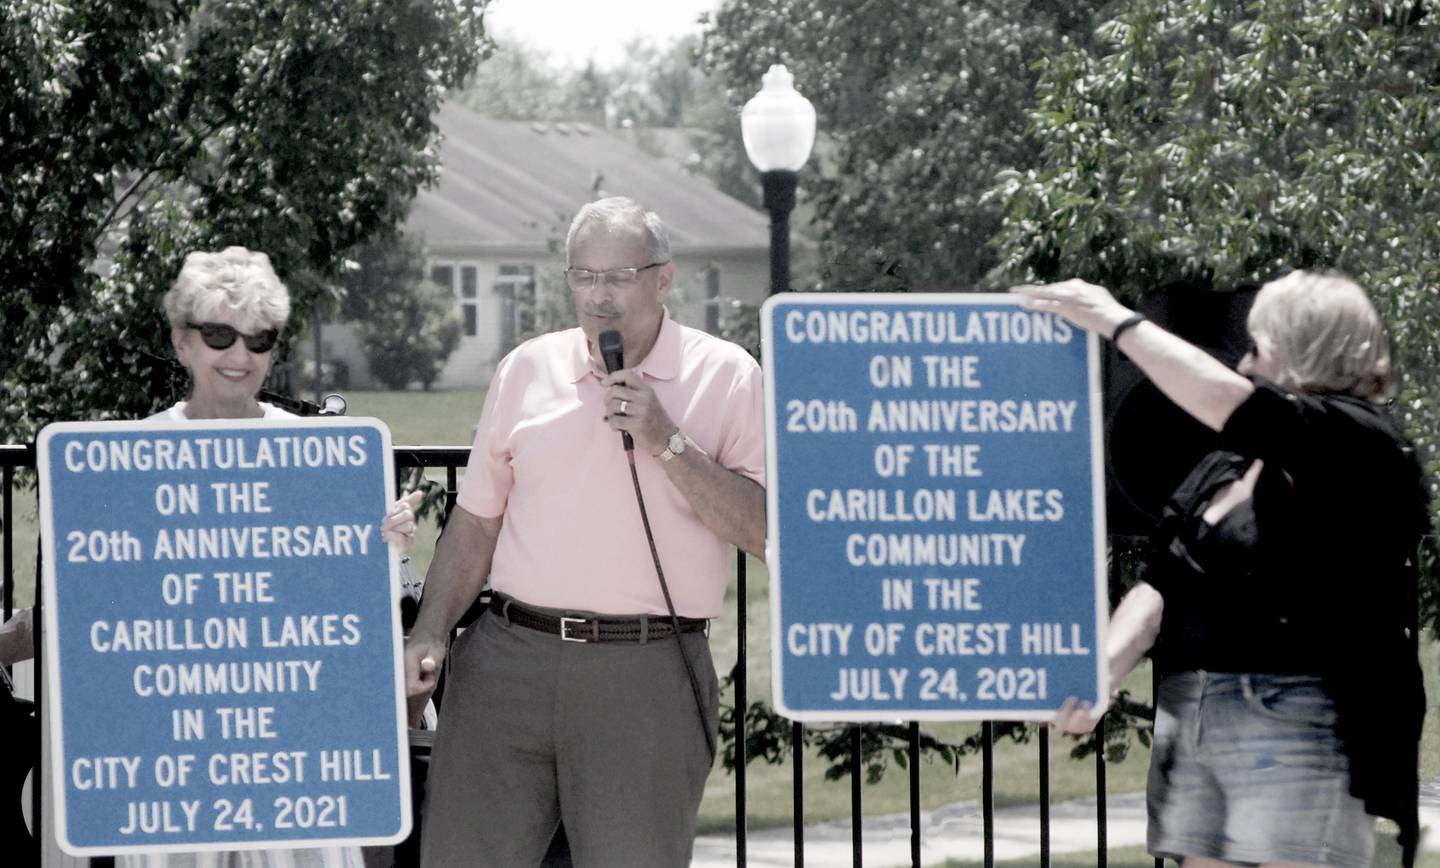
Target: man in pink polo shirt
<point>572,700</point>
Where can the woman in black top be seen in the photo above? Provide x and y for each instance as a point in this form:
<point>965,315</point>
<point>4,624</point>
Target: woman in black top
<point>1281,601</point>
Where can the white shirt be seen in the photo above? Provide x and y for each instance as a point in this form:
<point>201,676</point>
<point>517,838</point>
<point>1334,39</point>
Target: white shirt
<point>176,413</point>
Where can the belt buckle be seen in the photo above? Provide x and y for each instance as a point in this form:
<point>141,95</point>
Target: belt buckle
<point>565,624</point>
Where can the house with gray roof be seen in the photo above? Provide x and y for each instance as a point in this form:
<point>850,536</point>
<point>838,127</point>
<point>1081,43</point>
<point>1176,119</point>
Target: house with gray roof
<point>494,230</point>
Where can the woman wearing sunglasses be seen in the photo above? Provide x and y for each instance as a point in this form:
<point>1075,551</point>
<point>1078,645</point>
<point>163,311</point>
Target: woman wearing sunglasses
<point>226,311</point>
<point>1280,597</point>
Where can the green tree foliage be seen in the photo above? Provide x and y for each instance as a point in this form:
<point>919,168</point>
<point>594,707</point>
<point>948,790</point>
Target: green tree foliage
<point>409,343</point>
<point>1225,141</point>
<point>518,83</point>
<point>710,113</point>
<point>651,87</point>
<point>1222,142</point>
<point>920,104</point>
<point>406,323</point>
<point>134,131</point>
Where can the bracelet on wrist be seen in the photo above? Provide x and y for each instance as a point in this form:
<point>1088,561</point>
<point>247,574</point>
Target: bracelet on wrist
<point>1128,322</point>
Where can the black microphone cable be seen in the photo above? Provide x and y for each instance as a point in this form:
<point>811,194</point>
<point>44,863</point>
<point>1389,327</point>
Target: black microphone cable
<point>611,351</point>
<point>670,606</point>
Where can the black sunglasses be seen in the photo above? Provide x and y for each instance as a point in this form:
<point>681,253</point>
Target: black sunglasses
<point>219,336</point>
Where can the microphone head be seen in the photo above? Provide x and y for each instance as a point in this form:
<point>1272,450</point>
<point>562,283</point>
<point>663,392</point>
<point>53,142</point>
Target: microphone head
<point>612,350</point>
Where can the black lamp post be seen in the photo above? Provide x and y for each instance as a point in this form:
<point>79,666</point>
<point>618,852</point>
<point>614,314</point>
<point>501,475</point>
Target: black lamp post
<point>778,126</point>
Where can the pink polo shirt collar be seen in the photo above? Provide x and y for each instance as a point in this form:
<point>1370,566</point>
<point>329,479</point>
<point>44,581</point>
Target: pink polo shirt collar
<point>661,363</point>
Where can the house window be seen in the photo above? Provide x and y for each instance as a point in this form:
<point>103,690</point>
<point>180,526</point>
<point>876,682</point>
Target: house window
<point>712,297</point>
<point>516,288</point>
<point>468,314</point>
<point>444,275</point>
<point>464,289</point>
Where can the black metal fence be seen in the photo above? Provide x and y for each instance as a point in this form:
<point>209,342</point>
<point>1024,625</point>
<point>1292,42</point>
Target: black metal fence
<point>15,458</point>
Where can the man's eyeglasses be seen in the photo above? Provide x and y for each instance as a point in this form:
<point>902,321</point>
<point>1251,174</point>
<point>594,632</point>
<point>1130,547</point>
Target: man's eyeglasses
<point>582,279</point>
<point>219,336</point>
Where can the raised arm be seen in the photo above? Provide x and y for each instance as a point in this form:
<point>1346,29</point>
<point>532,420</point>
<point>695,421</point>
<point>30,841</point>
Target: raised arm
<point>1196,381</point>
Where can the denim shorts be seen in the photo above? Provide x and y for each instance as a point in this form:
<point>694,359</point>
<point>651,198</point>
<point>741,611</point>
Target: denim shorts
<point>1248,769</point>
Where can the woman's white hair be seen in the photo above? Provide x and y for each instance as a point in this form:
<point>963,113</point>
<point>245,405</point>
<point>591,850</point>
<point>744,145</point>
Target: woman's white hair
<point>1323,335</point>
<point>621,212</point>
<point>235,279</point>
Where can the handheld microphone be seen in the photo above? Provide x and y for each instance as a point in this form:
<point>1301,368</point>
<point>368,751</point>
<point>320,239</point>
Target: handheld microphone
<point>612,350</point>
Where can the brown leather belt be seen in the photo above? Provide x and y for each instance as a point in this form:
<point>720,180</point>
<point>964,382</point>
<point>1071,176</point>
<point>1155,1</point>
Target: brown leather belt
<point>597,629</point>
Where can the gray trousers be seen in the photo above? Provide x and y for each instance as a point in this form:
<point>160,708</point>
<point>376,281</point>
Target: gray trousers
<point>535,731</point>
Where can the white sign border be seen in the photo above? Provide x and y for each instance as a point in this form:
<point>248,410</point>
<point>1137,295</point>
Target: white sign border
<point>772,503</point>
<point>53,710</point>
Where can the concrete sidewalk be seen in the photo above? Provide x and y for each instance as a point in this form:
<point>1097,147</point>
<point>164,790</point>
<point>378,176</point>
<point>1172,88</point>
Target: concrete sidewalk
<point>955,832</point>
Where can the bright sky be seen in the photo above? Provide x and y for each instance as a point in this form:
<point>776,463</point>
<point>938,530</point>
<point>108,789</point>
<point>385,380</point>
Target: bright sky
<point>574,31</point>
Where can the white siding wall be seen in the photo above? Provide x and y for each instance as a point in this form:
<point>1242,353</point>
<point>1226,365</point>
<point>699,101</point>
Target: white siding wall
<point>742,278</point>
<point>473,361</point>
<point>342,342</point>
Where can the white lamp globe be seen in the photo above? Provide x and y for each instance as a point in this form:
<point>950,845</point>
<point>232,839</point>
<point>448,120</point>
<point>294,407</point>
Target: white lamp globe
<point>778,124</point>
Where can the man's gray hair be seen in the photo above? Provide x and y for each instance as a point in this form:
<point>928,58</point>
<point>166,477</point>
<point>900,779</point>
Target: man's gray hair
<point>621,212</point>
<point>234,279</point>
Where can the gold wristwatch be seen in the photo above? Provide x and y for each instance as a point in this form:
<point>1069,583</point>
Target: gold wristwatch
<point>677,445</point>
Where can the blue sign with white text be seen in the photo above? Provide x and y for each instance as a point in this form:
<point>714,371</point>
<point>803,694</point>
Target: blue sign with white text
<point>935,507</point>
<point>222,636</point>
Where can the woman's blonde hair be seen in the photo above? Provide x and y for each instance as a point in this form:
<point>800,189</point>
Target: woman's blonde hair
<point>1323,335</point>
<point>234,279</point>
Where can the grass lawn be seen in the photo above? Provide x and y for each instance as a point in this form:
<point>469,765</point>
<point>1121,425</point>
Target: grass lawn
<point>422,418</point>
<point>25,539</point>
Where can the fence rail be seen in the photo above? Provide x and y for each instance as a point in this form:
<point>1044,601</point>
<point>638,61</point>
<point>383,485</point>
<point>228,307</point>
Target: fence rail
<point>451,460</point>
